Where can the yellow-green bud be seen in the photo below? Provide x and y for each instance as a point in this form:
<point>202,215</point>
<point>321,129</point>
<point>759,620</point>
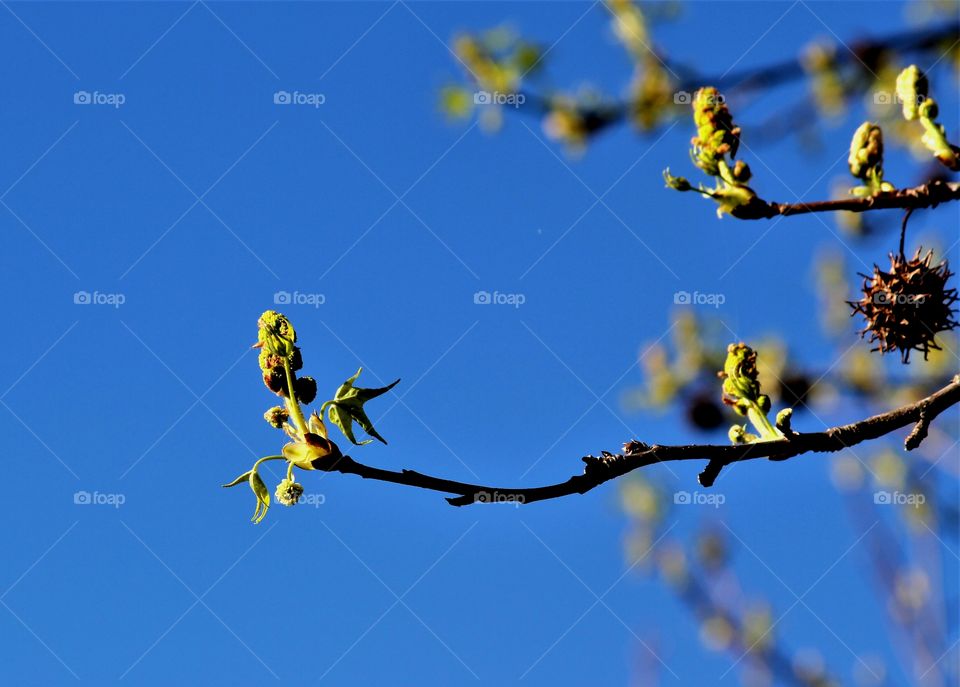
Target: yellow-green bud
<point>866,151</point>
<point>676,183</point>
<point>276,334</point>
<point>717,135</point>
<point>912,89</point>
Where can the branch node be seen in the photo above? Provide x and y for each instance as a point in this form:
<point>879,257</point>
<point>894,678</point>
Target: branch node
<point>919,431</point>
<point>711,472</point>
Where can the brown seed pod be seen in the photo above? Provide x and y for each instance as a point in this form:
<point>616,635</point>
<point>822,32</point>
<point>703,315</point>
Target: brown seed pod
<point>906,307</point>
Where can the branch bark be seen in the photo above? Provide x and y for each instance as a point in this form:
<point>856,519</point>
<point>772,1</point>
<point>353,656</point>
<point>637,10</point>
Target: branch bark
<point>636,455</point>
<point>927,195</point>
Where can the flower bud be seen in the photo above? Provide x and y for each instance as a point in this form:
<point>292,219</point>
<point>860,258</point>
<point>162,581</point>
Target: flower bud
<point>276,334</point>
<point>276,416</point>
<point>288,492</point>
<point>866,151</point>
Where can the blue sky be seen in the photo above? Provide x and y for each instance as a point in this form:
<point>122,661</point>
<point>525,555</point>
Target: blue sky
<point>197,199</point>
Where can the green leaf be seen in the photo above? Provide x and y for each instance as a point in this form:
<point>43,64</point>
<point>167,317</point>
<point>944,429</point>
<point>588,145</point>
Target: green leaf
<point>242,478</point>
<point>347,407</point>
<point>263,496</point>
<point>365,424</point>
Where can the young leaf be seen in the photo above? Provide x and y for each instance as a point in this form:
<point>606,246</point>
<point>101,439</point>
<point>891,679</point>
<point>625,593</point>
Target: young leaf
<point>347,407</point>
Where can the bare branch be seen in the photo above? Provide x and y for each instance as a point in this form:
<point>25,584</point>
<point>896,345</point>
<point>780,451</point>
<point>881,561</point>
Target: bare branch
<point>638,455</point>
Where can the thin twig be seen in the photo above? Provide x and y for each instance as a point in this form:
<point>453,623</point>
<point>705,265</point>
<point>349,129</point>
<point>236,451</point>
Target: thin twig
<point>637,455</point>
<point>927,195</point>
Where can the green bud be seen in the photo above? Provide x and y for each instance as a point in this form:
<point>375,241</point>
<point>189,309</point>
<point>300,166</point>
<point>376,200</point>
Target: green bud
<point>741,172</point>
<point>717,135</point>
<point>676,183</point>
<point>783,420</point>
<point>741,391</point>
<point>866,151</point>
<point>276,334</point>
<point>928,109</point>
<point>738,434</point>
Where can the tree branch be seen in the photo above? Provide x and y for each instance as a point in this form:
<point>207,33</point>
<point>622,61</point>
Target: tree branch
<point>927,195</point>
<point>636,455</point>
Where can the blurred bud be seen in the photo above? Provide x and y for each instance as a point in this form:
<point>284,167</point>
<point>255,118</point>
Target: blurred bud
<point>716,633</point>
<point>912,88</point>
<point>712,550</point>
<point>704,413</point>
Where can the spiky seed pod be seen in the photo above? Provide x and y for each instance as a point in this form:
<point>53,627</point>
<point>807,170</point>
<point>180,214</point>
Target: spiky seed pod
<point>906,307</point>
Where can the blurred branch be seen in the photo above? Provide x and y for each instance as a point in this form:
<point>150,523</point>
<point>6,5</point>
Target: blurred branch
<point>863,54</point>
<point>637,455</point>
